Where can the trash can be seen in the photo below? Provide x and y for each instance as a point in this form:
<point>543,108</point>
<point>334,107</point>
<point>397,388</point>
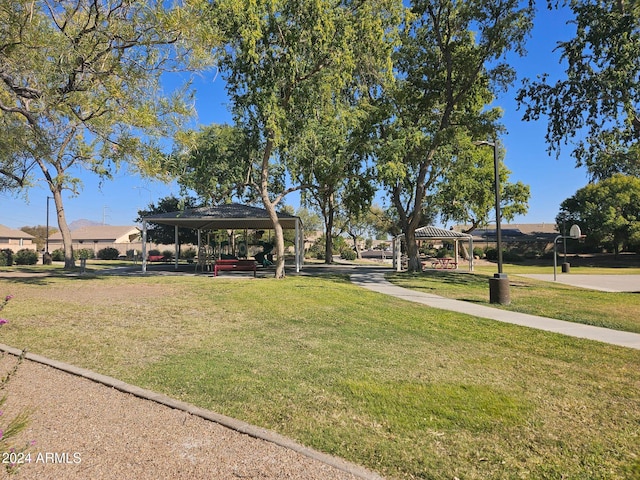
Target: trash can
<point>566,267</point>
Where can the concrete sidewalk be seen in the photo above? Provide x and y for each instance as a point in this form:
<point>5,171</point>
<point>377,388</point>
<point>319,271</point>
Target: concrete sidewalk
<point>374,280</point>
<point>604,283</point>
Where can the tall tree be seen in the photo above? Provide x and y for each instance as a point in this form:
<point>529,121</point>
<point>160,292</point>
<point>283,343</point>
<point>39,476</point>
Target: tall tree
<point>597,103</point>
<point>469,195</point>
<point>284,62</point>
<point>608,212</point>
<point>449,67</point>
<point>78,82</point>
<point>333,166</point>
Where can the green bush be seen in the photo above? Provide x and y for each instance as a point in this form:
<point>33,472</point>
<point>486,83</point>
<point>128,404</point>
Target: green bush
<point>26,257</point>
<point>84,253</point>
<point>478,252</point>
<point>507,255</point>
<point>154,252</point>
<point>6,257</point>
<point>188,253</point>
<point>348,254</point>
<point>108,253</point>
<point>512,256</point>
<point>168,254</point>
<point>57,255</point>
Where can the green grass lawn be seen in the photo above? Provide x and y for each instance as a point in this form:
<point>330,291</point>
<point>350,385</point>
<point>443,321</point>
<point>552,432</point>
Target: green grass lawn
<point>620,311</point>
<point>406,390</point>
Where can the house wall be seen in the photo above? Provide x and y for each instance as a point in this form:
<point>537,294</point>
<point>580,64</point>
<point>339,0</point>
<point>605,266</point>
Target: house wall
<point>16,244</point>
<point>96,246</point>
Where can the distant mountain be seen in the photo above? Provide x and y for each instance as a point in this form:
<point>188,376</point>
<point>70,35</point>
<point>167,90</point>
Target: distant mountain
<point>83,222</point>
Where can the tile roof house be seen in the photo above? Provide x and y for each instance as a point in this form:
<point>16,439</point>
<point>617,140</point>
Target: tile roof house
<point>15,239</point>
<point>96,238</point>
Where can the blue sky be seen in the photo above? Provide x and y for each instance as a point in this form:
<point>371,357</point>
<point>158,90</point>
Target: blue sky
<point>117,201</point>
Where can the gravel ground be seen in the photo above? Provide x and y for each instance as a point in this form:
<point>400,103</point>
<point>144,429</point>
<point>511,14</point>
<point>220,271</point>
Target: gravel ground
<point>85,430</point>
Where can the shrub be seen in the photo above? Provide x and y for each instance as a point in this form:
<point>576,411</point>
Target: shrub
<point>188,253</point>
<point>512,256</point>
<point>6,257</point>
<point>84,253</point>
<point>58,255</point>
<point>507,255</point>
<point>348,254</point>
<point>167,254</point>
<point>154,252</point>
<point>108,253</point>
<point>478,252</point>
<point>26,257</point>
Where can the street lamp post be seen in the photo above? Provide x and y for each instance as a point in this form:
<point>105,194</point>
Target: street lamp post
<point>499,284</point>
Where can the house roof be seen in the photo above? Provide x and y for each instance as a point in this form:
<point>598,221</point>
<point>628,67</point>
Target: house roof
<point>436,233</point>
<point>108,233</point>
<point>223,217</point>
<point>6,232</point>
<point>520,228</point>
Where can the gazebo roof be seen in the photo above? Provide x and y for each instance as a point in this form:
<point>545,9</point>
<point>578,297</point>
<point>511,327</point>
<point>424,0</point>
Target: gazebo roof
<point>435,233</point>
<point>223,217</point>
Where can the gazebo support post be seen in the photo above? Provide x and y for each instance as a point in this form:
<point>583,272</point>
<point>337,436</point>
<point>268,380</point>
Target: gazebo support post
<point>397,260</point>
<point>176,247</point>
<point>297,246</point>
<point>144,246</point>
<point>455,250</point>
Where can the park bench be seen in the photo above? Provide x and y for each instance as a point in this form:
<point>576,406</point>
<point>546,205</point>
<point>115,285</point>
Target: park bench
<point>234,265</point>
<point>156,258</point>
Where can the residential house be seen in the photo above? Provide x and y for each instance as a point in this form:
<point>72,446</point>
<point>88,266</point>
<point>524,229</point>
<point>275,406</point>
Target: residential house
<point>15,239</point>
<point>95,238</point>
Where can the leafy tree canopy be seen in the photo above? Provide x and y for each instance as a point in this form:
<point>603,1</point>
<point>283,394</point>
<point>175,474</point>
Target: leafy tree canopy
<point>165,234</point>
<point>468,196</point>
<point>597,104</point>
<point>79,83</point>
<point>284,61</point>
<point>608,212</point>
<point>213,162</point>
<point>449,68</point>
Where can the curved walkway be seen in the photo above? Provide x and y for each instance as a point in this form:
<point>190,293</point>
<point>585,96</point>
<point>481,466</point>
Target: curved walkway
<point>374,280</point>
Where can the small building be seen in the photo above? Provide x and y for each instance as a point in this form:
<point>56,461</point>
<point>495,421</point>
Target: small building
<point>15,239</point>
<point>95,238</point>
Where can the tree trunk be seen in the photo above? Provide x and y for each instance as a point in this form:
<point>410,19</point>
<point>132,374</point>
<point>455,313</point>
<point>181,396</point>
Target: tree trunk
<point>277,228</point>
<point>413,256</point>
<point>270,206</point>
<point>409,225</point>
<point>67,242</point>
<point>329,216</point>
<point>356,247</point>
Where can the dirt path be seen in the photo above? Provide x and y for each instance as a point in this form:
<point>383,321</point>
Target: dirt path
<point>85,430</point>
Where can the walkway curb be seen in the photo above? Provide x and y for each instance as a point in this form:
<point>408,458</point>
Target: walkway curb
<point>228,422</point>
<point>375,281</point>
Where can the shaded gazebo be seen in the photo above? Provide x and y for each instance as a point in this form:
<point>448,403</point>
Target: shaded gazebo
<point>435,233</point>
<point>231,216</point>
